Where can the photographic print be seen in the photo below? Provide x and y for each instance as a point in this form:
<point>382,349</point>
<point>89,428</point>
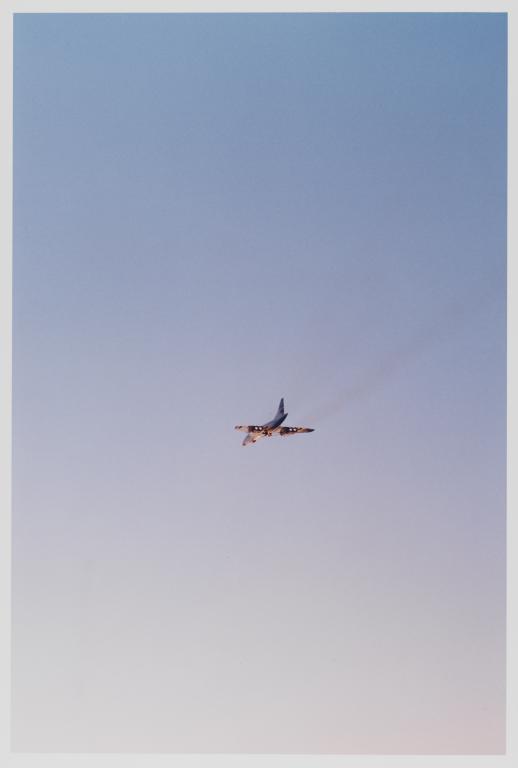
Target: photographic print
<point>293,224</point>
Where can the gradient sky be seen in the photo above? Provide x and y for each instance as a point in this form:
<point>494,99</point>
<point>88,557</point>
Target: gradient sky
<point>212,212</point>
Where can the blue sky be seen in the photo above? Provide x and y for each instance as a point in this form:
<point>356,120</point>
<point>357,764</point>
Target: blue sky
<point>212,212</point>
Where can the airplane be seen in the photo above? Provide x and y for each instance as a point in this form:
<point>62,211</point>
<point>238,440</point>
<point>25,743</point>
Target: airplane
<point>273,427</point>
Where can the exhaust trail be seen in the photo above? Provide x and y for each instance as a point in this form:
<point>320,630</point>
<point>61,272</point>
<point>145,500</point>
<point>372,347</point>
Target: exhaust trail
<point>420,343</point>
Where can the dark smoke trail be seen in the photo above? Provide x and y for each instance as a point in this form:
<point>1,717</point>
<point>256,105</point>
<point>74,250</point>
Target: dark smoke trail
<point>420,343</point>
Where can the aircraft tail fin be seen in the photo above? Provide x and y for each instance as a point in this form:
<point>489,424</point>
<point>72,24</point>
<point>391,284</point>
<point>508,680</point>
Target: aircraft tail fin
<point>280,409</point>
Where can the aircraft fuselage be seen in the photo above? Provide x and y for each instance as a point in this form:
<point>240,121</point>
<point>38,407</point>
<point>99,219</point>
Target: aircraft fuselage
<point>274,424</point>
<point>273,427</point>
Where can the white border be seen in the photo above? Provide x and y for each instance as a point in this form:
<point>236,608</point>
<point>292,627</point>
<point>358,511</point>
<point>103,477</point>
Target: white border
<point>7,9</point>
<point>5,372</point>
<point>254,6</point>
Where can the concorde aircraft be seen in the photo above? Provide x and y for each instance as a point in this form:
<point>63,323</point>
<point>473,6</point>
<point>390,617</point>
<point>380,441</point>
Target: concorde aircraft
<point>273,427</point>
